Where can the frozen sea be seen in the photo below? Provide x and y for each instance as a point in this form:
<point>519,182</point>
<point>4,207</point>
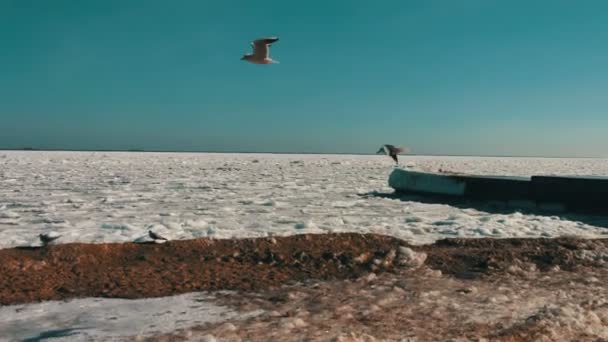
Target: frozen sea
<point>117,196</point>
<point>112,197</point>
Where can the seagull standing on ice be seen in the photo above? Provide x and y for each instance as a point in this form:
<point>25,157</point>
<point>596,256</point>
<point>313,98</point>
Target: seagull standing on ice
<point>261,51</point>
<point>392,151</point>
<point>47,238</point>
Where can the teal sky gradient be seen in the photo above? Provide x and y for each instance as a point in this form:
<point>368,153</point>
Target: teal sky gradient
<point>473,77</point>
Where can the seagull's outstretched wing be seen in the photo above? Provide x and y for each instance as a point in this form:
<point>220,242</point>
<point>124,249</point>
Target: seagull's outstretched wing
<point>261,46</point>
<point>398,150</point>
<point>390,150</point>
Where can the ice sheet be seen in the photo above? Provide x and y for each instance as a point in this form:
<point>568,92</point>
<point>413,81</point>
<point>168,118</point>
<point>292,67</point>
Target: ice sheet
<point>111,197</point>
<point>103,318</point>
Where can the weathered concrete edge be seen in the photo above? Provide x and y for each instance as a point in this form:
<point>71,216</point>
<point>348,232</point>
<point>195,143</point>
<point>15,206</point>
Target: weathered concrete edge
<point>545,193</point>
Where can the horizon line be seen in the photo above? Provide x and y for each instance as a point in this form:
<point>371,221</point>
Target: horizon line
<point>271,152</point>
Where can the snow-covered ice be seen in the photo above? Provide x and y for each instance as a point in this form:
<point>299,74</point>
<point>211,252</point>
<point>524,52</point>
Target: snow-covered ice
<point>104,319</point>
<point>118,196</point>
<point>114,197</point>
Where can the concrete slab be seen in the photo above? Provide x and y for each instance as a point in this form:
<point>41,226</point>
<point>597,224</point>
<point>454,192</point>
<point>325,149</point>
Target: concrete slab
<point>502,188</point>
<point>547,193</point>
<point>497,188</point>
<point>422,182</point>
<point>549,187</point>
<point>576,192</point>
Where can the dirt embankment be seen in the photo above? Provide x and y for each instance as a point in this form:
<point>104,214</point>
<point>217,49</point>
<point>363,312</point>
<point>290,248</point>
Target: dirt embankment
<point>466,290</point>
<point>130,270</point>
<point>342,287</point>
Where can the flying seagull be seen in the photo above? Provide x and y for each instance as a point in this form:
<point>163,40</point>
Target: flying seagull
<point>261,51</point>
<point>156,236</point>
<point>391,151</point>
<point>46,238</point>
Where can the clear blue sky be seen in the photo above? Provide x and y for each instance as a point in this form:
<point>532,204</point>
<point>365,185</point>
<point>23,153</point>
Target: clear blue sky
<point>442,77</point>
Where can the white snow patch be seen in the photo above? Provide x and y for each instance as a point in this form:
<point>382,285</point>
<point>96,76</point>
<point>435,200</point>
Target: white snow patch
<point>103,319</point>
<point>410,258</point>
<point>196,224</point>
<point>9,215</point>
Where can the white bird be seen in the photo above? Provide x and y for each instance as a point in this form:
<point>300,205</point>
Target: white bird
<point>46,238</point>
<point>392,151</point>
<point>156,236</point>
<point>261,51</point>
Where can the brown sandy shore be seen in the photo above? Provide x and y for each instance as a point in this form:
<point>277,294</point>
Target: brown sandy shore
<point>342,287</point>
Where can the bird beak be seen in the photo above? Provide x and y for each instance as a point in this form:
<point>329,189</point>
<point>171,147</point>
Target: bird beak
<point>242,58</point>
